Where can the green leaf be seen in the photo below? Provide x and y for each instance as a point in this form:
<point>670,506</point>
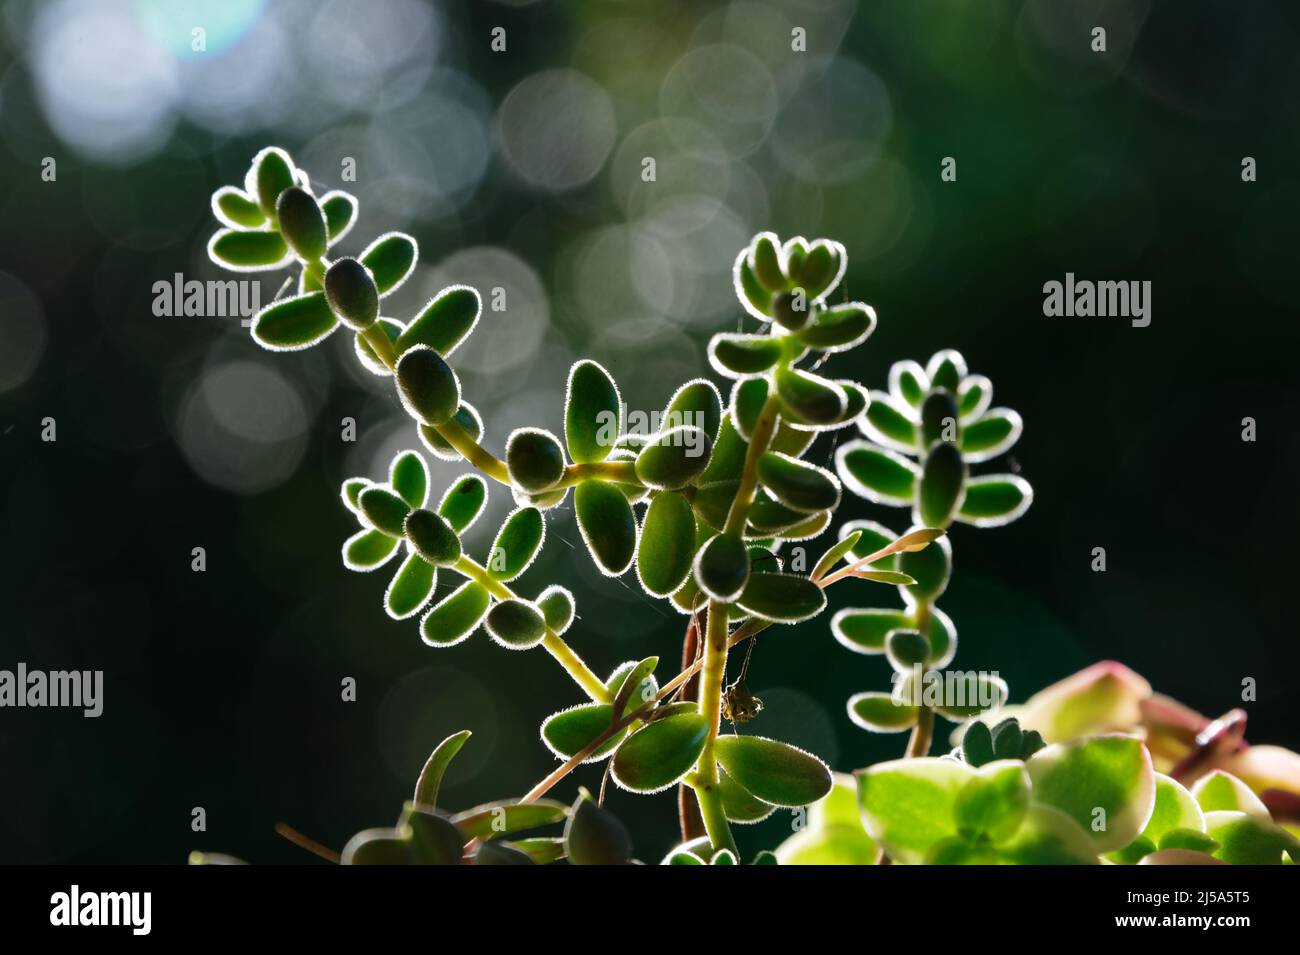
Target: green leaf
<point>798,484</point>
<point>835,553</point>
<point>886,577</point>
<point>939,419</point>
<point>721,567</point>
<point>667,544</point>
<point>734,355</point>
<point>409,478</point>
<point>906,649</point>
<point>974,395</point>
<point>543,850</point>
<point>1048,836</point>
<point>660,753</point>
<point>517,543</point>
<point>379,847</point>
<point>810,399</point>
<point>881,713</point>
<point>946,369</point>
<point>456,616</point>
<point>747,399</point>
<point>765,258</point>
<point>487,820</point>
<point>435,767</point>
<point>739,804</point>
<point>607,525</point>
<point>723,857</point>
<point>775,772</point>
<point>673,458</point>
<point>995,499</point>
<point>696,404</point>
<point>593,836</point>
<point>908,383</point>
<point>1174,808</point>
<point>678,857</point>
<point>368,550</point>
<point>864,631</point>
<point>570,731</point>
<point>431,536</point>
<point>411,588</point>
<point>463,501</point>
<point>889,425</point>
<point>909,805</point>
<point>302,224</point>
<point>534,458</point>
<point>271,173</point>
<point>390,259</point>
<point>1249,840</point>
<point>427,385</point>
<point>839,328</point>
<point>384,510</point>
<point>966,695</point>
<point>753,296</point>
<point>340,210</point>
<point>930,568</point>
<point>993,802</point>
<point>351,491</point>
<point>1193,840</point>
<point>352,295</point>
<point>638,687</point>
<point>728,457</point>
<point>821,269</point>
<point>294,323</point>
<point>593,412</point>
<point>876,474</point>
<point>444,322</point>
<point>515,624</point>
<point>991,435</point>
<point>941,488</point>
<point>434,840</point>
<point>556,605</point>
<point>1218,791</point>
<point>1104,783</point>
<point>235,208</point>
<point>500,852</point>
<point>784,598</point>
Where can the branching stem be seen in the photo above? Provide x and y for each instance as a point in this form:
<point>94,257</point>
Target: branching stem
<point>564,654</point>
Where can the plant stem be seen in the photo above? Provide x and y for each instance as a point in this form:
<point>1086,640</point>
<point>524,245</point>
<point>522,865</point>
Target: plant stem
<point>688,807</point>
<point>759,439</point>
<point>919,743</point>
<point>564,654</point>
<point>619,472</point>
<point>714,673</point>
<point>473,452</point>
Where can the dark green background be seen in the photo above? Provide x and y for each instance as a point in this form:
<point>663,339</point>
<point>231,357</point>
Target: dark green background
<point>222,689</point>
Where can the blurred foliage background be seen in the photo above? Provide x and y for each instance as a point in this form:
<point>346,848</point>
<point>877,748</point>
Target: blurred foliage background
<point>522,170</point>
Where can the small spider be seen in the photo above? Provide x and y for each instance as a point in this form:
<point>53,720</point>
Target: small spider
<point>739,705</point>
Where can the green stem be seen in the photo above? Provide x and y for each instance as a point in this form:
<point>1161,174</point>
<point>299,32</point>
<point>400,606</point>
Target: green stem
<point>619,472</point>
<point>759,439</point>
<point>707,790</point>
<point>564,654</point>
<point>918,744</point>
<point>474,453</point>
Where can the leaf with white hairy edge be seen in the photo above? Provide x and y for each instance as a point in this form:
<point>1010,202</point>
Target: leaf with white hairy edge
<point>1104,783</point>
<point>774,771</point>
